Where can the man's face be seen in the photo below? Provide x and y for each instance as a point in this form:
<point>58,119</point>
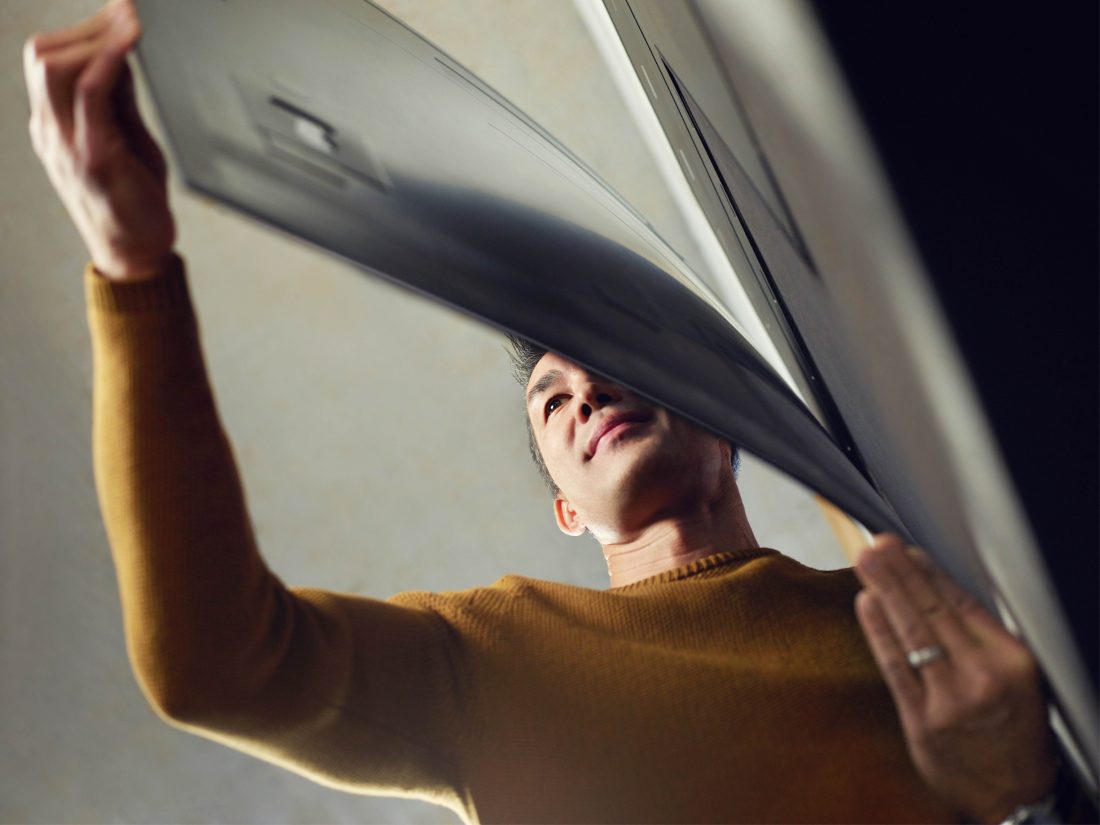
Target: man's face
<point>620,461</point>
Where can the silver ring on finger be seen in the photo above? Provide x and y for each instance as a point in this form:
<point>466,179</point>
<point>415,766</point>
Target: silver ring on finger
<point>924,655</point>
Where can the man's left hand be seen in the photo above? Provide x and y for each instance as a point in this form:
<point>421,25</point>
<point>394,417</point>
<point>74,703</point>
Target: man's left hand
<point>973,712</point>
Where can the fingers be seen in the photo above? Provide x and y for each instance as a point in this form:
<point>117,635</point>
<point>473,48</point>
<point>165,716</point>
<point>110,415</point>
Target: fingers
<point>918,616</point>
<point>901,679</point>
<point>44,44</point>
<point>981,626</point>
<point>51,78</point>
<point>84,30</point>
<point>53,62</point>
<point>95,120</point>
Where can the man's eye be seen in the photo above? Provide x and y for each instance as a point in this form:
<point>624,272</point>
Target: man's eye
<point>553,404</point>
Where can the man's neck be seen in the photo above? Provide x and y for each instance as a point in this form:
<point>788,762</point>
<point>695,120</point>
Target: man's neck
<point>678,539</point>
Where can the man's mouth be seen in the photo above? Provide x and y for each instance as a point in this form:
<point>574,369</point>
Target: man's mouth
<point>612,425</point>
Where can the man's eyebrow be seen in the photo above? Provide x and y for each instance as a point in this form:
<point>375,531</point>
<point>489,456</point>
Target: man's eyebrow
<point>545,381</point>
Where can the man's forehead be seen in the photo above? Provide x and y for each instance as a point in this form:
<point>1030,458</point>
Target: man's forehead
<point>550,362</point>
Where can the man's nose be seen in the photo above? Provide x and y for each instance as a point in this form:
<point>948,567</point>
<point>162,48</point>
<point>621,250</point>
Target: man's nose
<point>597,394</point>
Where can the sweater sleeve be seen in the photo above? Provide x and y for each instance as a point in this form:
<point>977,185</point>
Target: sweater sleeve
<point>356,693</point>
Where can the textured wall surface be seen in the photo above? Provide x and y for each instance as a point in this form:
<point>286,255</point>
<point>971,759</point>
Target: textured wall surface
<point>380,438</point>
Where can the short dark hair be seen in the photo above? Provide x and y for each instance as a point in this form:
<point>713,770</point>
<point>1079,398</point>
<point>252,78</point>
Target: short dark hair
<point>524,355</point>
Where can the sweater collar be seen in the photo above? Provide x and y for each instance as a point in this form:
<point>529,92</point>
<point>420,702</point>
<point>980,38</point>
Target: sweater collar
<point>697,567</point>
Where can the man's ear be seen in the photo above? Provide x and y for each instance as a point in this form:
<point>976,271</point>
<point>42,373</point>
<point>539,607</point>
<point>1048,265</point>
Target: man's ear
<point>569,522</point>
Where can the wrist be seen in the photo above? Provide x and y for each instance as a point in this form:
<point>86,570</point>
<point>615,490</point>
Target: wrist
<point>1045,810</point>
<point>134,269</point>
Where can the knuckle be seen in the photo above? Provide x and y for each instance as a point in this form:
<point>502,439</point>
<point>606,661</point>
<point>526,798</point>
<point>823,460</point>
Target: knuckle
<point>983,687</point>
<point>33,47</point>
<point>1021,665</point>
<point>932,608</point>
<point>94,169</point>
<point>987,691</point>
<point>51,66</point>
<point>49,62</point>
<point>87,165</point>
<point>896,670</point>
<point>965,603</point>
<point>940,725</point>
<point>911,629</point>
<point>84,87</point>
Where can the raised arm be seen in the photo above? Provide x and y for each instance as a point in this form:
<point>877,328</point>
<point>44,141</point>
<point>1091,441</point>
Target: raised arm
<point>351,691</point>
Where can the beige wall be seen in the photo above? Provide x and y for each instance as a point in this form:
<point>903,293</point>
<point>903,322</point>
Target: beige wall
<point>380,438</point>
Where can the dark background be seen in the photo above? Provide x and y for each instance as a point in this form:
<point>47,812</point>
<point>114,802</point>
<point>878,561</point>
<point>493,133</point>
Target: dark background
<point>986,121</point>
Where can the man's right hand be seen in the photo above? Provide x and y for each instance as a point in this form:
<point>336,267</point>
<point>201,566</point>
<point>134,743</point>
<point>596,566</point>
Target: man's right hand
<point>87,131</point>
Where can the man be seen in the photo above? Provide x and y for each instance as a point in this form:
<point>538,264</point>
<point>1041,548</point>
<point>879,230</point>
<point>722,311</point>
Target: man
<point>714,681</point>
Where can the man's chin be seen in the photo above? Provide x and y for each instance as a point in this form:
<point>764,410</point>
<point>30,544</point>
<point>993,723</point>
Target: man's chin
<point>637,472</point>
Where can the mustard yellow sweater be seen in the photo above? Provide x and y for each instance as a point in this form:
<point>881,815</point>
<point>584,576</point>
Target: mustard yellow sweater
<point>737,688</point>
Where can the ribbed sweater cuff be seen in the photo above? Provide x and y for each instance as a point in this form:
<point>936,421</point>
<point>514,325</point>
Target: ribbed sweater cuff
<point>165,291</point>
